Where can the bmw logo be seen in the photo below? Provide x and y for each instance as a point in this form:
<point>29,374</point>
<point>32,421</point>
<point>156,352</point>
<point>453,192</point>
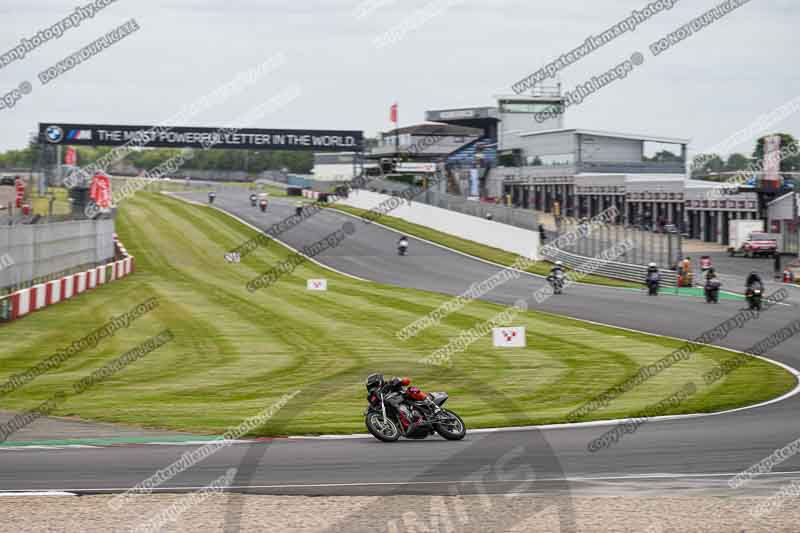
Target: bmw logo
<point>54,134</point>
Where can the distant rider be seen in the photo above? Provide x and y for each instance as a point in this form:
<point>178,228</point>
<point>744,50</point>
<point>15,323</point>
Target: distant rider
<point>754,282</point>
<point>712,286</point>
<point>402,245</point>
<point>653,279</point>
<point>558,267</point>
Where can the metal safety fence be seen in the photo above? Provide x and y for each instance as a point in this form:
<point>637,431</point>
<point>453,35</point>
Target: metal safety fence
<point>663,249</point>
<point>610,269</point>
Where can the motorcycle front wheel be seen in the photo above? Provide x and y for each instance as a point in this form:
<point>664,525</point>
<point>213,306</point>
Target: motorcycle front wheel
<point>387,432</point>
<point>452,428</point>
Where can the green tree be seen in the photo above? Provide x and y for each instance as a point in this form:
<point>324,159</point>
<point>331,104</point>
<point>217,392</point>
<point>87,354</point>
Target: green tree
<point>737,162</point>
<point>787,143</point>
<point>664,156</point>
<point>707,164</point>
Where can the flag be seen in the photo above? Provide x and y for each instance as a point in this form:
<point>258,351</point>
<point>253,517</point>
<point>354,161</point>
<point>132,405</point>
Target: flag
<point>100,190</point>
<point>393,113</point>
<point>71,157</point>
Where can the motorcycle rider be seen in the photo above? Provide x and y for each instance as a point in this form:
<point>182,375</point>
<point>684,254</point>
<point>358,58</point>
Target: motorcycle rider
<point>754,284</point>
<point>253,199</point>
<point>653,279</point>
<point>211,196</point>
<point>298,208</point>
<point>402,245</point>
<point>556,276</point>
<point>712,286</point>
<point>558,266</point>
<point>754,281</point>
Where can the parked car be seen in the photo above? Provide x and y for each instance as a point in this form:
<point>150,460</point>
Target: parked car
<point>748,238</point>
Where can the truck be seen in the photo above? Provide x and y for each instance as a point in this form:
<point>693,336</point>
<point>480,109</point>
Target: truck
<point>748,238</point>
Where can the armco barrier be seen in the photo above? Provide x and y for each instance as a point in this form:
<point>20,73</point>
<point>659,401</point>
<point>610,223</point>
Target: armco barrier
<point>25,301</point>
<point>611,269</point>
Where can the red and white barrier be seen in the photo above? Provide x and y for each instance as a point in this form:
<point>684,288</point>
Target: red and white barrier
<point>20,303</point>
<point>53,292</point>
<point>40,296</point>
<point>67,287</point>
<point>80,282</point>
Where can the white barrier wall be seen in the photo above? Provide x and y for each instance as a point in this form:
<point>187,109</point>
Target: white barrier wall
<point>25,301</point>
<point>509,238</point>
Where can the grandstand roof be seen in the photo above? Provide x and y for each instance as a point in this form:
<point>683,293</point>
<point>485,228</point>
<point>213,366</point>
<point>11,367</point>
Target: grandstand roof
<point>435,128</point>
<point>615,135</point>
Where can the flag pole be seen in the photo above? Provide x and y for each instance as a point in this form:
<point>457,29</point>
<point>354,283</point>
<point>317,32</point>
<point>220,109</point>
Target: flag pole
<point>396,130</point>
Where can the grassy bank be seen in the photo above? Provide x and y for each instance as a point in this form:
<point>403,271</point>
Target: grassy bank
<point>235,353</point>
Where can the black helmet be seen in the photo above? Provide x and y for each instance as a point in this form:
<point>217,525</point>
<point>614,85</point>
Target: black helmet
<point>374,381</point>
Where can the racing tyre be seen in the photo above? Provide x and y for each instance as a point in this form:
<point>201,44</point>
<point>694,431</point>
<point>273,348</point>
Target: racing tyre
<point>453,428</point>
<point>388,432</point>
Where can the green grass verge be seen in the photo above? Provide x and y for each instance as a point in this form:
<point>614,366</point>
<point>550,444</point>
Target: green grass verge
<point>236,353</point>
<point>179,185</point>
<point>476,249</point>
<point>61,206</point>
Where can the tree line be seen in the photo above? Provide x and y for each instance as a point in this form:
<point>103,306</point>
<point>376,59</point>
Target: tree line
<point>251,161</point>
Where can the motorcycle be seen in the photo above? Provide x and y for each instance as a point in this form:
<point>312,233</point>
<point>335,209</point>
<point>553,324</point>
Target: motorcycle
<point>396,410</point>
<point>253,199</point>
<point>556,281</point>
<point>402,247</point>
<point>653,282</point>
<point>754,294</point>
<point>712,291</point>
<point>263,205</point>
<point>211,197</point>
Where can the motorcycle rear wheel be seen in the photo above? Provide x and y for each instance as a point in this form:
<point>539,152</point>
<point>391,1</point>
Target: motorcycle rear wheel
<point>388,432</point>
<point>455,429</point>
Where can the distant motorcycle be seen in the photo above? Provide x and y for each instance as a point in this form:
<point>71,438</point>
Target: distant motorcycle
<point>253,199</point>
<point>653,282</point>
<point>211,197</point>
<point>754,295</point>
<point>556,281</point>
<point>396,410</point>
<point>263,205</point>
<point>402,247</point>
<point>712,290</point>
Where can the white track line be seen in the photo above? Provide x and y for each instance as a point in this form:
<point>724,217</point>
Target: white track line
<point>4,494</point>
<point>568,479</point>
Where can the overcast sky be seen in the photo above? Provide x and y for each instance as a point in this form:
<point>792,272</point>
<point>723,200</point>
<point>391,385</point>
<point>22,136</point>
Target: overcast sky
<point>454,53</point>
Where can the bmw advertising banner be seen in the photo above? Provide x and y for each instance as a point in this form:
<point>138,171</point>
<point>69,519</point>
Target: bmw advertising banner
<point>195,137</point>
